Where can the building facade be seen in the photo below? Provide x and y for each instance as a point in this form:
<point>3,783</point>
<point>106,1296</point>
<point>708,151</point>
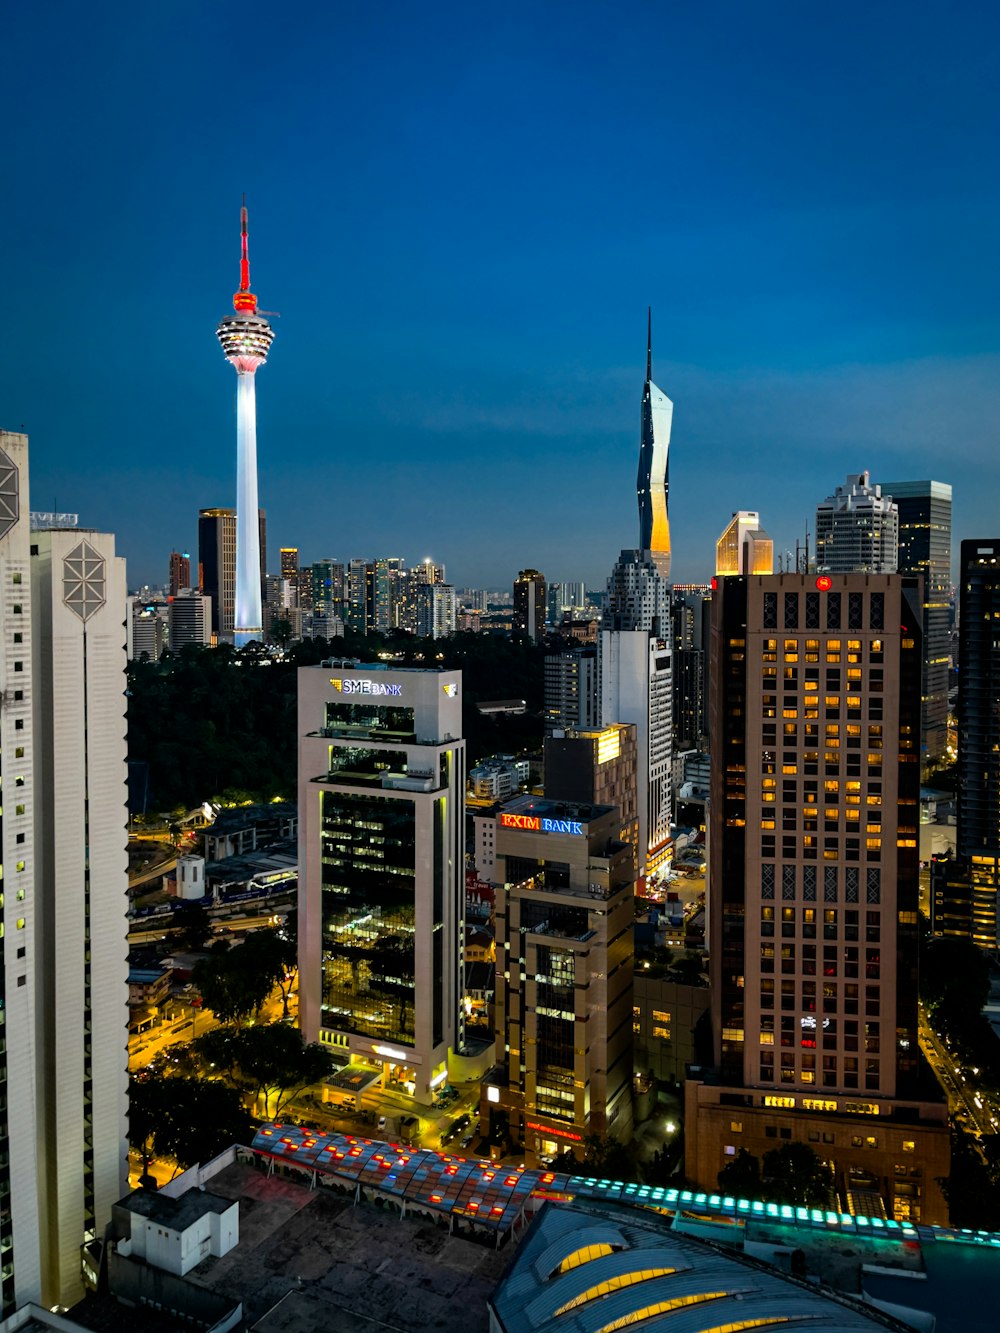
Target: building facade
<point>597,767</point>
<point>656,416</point>
<point>217,566</point>
<point>180,572</point>
<point>81,925</point>
<point>925,549</point>
<point>434,610</point>
<point>571,689</point>
<point>813,848</point>
<point>563,1002</point>
<point>190,619</point>
<point>381,856</point>
<point>21,1112</point>
<point>744,547</point>
<point>857,529</point>
<point>529,604</point>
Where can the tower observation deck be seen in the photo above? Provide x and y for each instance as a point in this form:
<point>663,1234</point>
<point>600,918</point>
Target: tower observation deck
<point>246,339</point>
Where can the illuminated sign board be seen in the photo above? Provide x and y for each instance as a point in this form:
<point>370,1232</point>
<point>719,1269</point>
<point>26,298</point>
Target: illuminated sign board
<point>536,824</point>
<point>824,583</point>
<point>450,690</point>
<point>366,687</point>
<point>551,1130</point>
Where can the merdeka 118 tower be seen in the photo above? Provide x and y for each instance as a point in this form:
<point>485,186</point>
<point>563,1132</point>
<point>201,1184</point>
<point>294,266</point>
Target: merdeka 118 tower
<point>246,338</point>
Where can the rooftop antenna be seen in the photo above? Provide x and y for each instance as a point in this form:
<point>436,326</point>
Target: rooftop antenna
<point>649,342</point>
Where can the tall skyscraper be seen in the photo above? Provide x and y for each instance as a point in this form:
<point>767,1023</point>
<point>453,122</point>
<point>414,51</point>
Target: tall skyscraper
<point>217,566</point>
<point>21,1108</point>
<point>813,837</point>
<point>381,856</point>
<point>925,548</point>
<point>81,881</point>
<point>180,572</point>
<point>744,547</point>
<point>634,663</point>
<point>653,483</point>
<point>357,601</point>
<point>857,529</point>
<point>326,580</point>
<point>529,604</point>
<point>246,339</point>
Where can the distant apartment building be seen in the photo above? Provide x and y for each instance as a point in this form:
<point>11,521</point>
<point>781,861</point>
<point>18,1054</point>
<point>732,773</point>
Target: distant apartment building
<point>597,766</point>
<point>497,778</point>
<point>145,631</point>
<point>857,529</point>
<point>529,604</point>
<point>189,619</point>
<point>434,610</point>
<point>180,572</point>
<point>571,689</point>
<point>925,548</point>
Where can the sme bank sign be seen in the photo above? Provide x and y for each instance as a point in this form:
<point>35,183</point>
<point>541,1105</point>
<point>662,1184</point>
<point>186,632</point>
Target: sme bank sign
<point>539,825</point>
<point>366,687</point>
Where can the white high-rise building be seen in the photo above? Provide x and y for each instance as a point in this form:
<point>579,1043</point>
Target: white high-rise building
<point>857,529</point>
<point>76,688</point>
<point>190,619</point>
<point>436,617</point>
<point>20,1106</point>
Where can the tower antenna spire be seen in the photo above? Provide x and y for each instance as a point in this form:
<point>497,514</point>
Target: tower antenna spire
<point>649,342</point>
<point>244,299</point>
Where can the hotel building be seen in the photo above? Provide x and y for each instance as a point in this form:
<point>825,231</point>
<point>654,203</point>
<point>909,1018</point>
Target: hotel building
<point>815,723</point>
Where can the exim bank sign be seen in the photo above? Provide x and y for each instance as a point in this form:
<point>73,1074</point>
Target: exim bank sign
<point>539,825</point>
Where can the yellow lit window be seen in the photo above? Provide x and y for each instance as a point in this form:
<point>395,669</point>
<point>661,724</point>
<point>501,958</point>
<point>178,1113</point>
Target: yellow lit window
<point>736,1126</point>
<point>852,785</point>
<point>767,1039</point>
<point>831,812</point>
<point>789,712</point>
<point>584,1256</point>
<point>614,1284</point>
<point>660,1016</point>
<point>854,645</point>
<point>909,1145</point>
<point>767,823</point>
<point>732,1034</point>
<point>852,814</point>
<point>853,673</point>
<point>874,761</point>
<point>909,643</point>
<point>873,844</point>
<point>789,768</point>
<point>662,1033</point>
<point>854,701</point>
<point>833,701</point>
<point>831,784</point>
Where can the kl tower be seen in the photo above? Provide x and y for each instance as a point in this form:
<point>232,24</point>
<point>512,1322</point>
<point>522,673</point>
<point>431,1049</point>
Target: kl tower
<point>246,338</point>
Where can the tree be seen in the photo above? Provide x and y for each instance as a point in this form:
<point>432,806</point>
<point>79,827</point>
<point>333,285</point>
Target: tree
<point>270,1061</point>
<point>271,955</point>
<point>603,1157</point>
<point>234,993</point>
<point>194,923</point>
<point>741,1176</point>
<point>188,1120</point>
<point>794,1174</point>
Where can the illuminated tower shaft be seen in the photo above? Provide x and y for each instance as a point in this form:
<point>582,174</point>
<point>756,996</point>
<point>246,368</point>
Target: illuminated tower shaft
<point>246,339</point>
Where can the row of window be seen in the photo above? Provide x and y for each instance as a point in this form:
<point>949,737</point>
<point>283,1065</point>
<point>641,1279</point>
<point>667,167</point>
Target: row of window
<point>806,610</point>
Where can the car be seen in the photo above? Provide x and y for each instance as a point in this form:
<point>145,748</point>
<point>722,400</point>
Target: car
<point>382,1122</point>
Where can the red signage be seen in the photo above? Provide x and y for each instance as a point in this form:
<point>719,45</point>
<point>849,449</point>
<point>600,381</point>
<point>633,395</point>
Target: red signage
<point>824,583</point>
<point>521,821</point>
<point>551,1130</point>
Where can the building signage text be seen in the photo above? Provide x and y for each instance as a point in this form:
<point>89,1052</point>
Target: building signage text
<point>366,687</point>
<point>539,825</point>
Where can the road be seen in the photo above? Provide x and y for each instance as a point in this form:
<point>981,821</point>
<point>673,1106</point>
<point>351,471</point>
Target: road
<point>154,872</point>
<point>962,1099</point>
<point>145,933</point>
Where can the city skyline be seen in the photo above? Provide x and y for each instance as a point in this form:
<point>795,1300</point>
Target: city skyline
<point>798,249</point>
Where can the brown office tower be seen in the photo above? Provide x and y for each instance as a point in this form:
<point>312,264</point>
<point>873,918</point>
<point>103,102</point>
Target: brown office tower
<point>596,767</point>
<point>815,724</point>
<point>563,1003</point>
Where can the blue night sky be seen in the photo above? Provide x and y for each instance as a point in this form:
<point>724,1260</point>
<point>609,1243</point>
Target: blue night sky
<point>461,213</point>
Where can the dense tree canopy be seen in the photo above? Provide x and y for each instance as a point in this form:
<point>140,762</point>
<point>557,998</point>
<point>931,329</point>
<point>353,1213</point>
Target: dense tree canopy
<point>207,721</point>
<point>187,1120</point>
<point>269,1061</point>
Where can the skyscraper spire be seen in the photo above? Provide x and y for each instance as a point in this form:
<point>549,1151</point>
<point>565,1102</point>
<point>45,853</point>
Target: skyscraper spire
<point>652,484</point>
<point>244,299</point>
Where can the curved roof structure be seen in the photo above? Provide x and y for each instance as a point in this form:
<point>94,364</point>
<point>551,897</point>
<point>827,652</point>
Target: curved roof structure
<point>590,1271</point>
